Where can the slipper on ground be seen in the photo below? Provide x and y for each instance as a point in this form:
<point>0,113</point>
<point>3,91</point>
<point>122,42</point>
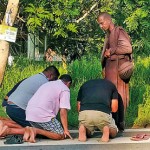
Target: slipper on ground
<point>140,137</point>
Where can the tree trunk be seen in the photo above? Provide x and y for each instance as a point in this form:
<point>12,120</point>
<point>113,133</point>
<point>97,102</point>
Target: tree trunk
<point>9,18</point>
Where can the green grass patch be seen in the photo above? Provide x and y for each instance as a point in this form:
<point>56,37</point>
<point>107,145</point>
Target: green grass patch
<point>87,68</point>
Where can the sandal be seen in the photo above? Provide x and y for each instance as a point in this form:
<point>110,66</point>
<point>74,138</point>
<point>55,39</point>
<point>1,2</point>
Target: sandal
<point>140,137</point>
<point>14,139</point>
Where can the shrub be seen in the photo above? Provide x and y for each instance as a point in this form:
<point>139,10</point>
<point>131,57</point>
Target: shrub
<point>87,68</point>
<point>138,85</point>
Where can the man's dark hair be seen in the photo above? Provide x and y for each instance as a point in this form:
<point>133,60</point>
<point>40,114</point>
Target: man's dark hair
<point>52,69</point>
<point>66,78</point>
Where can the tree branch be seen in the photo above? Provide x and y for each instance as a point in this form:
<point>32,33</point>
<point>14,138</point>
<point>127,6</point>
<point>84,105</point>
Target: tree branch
<point>93,6</point>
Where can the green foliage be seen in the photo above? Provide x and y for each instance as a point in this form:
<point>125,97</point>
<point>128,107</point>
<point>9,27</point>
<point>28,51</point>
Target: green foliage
<point>58,20</point>
<point>136,18</point>
<point>73,114</point>
<point>85,69</point>
<point>72,27</point>
<point>82,70</point>
<point>143,118</point>
<point>76,39</point>
<point>57,14</point>
<point>36,17</point>
<point>139,86</point>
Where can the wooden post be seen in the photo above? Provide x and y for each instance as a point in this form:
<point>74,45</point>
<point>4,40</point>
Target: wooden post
<point>31,46</point>
<point>9,18</point>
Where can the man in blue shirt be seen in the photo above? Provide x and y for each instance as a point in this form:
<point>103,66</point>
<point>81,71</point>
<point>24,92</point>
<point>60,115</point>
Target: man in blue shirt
<point>17,101</point>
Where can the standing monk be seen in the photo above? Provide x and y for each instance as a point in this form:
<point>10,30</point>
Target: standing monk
<point>117,50</point>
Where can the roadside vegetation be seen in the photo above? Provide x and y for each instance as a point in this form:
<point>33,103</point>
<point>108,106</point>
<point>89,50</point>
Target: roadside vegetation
<point>88,67</point>
<point>71,30</point>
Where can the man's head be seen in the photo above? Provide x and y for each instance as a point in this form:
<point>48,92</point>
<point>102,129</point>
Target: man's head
<point>66,79</point>
<point>104,20</point>
<point>51,73</point>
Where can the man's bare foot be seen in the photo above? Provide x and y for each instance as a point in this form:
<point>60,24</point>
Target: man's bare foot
<point>105,136</point>
<point>1,126</point>
<point>11,124</point>
<point>82,133</point>
<point>32,135</point>
<point>3,129</point>
<point>3,132</point>
<point>26,135</point>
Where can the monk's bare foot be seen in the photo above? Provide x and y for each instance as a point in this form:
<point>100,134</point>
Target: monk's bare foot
<point>82,133</point>
<point>105,136</point>
<point>26,135</point>
<point>32,135</point>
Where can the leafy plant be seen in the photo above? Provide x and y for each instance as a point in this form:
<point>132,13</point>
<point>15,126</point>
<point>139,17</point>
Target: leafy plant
<point>143,118</point>
<point>139,87</point>
<point>87,68</point>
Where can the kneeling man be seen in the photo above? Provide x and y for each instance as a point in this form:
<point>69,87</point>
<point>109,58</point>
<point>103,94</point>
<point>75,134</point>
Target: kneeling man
<point>96,100</point>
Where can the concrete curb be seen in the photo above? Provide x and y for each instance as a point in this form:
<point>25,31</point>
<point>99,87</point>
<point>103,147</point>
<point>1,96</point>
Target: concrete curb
<point>121,142</point>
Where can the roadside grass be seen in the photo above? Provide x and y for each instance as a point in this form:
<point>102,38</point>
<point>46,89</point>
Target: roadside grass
<point>138,112</point>
<point>87,68</point>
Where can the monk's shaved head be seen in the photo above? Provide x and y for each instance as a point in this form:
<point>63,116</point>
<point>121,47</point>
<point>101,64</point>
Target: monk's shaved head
<point>105,15</point>
<point>105,22</point>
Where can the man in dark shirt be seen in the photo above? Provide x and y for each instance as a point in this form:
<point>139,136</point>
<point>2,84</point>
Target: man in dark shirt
<point>97,99</point>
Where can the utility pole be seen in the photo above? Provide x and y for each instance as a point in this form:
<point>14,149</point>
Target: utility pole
<point>8,20</point>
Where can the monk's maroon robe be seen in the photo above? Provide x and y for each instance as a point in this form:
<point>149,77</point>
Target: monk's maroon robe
<point>120,49</point>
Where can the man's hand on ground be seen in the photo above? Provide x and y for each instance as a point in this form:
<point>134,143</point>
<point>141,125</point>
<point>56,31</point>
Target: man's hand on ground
<point>67,133</point>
